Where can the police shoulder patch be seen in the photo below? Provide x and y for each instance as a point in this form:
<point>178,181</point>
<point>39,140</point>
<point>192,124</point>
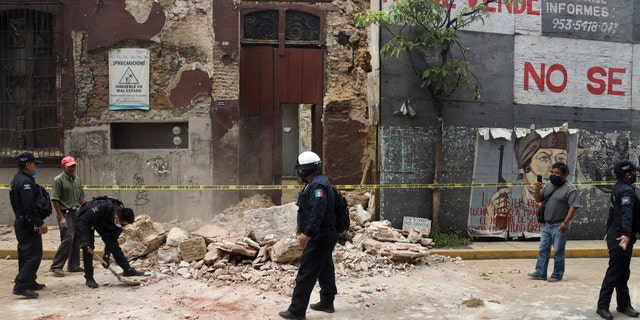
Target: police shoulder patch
<point>318,193</point>
<point>625,200</point>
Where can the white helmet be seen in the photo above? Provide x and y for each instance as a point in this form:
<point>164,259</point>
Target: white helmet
<point>309,162</point>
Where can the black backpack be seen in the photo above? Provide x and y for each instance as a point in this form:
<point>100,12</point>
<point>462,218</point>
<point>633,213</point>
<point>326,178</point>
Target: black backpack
<point>341,211</point>
<point>111,202</point>
<point>43,202</point>
<point>110,199</point>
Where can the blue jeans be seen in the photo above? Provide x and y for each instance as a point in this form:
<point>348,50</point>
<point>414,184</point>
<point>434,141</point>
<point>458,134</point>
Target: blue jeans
<point>551,237</point>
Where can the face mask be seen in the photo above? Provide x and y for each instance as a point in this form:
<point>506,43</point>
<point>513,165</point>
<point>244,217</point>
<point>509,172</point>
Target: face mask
<point>632,180</point>
<point>556,180</point>
<point>301,176</point>
<point>116,221</point>
<point>34,172</point>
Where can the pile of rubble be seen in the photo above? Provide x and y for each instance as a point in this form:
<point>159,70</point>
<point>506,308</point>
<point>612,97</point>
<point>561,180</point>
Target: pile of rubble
<point>259,246</point>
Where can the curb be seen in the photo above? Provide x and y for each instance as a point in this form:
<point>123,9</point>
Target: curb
<point>46,254</point>
<point>470,254</point>
<point>465,254</point>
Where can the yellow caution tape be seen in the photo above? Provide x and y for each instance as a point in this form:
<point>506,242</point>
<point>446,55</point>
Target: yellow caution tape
<point>295,187</point>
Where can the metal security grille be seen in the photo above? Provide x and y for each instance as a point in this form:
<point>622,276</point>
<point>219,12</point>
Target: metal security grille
<point>300,28</point>
<point>261,25</point>
<point>29,76</point>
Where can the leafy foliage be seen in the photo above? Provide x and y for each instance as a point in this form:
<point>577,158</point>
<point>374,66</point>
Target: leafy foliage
<point>450,238</point>
<point>426,32</point>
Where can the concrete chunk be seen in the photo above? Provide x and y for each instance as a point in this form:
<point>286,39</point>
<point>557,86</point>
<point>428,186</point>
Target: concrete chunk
<point>286,250</point>
<point>278,220</point>
<point>193,249</point>
<point>176,236</point>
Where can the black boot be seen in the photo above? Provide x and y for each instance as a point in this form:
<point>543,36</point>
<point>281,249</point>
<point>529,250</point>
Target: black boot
<point>91,283</point>
<point>132,273</point>
<point>289,315</point>
<point>328,308</point>
<point>605,314</point>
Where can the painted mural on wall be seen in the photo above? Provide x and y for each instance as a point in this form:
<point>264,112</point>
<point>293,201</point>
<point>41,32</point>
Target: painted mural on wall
<point>598,151</point>
<point>570,60</point>
<point>515,158</point>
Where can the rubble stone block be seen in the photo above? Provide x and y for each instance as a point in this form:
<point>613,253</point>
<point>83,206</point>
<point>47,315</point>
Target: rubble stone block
<point>241,248</point>
<point>193,249</point>
<point>211,256</point>
<point>169,254</point>
<point>359,215</point>
<point>396,251</point>
<point>278,220</point>
<point>176,236</point>
<point>286,250</point>
<point>414,235</point>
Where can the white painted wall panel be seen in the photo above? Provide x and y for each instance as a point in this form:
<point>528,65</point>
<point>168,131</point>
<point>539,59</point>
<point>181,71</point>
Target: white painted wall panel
<point>504,19</point>
<point>635,89</point>
<point>572,73</point>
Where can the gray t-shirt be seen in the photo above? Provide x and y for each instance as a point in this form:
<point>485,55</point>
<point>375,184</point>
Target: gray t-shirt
<point>557,206</point>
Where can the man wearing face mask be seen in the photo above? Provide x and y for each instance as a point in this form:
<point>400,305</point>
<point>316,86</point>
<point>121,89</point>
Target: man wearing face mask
<point>317,236</point>
<point>107,216</point>
<point>622,226</point>
<point>29,225</point>
<point>560,198</point>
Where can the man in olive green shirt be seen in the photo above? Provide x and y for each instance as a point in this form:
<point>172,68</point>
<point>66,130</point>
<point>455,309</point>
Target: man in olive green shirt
<point>67,197</point>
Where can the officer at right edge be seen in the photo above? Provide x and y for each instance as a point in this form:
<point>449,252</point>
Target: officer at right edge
<point>622,225</point>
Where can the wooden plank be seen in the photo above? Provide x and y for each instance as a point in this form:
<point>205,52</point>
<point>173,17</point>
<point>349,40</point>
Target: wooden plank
<point>296,75</point>
<point>250,80</point>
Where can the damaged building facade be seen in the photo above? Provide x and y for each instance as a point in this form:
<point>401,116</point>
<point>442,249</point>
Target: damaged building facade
<point>172,105</point>
<point>556,82</point>
<point>233,90</point>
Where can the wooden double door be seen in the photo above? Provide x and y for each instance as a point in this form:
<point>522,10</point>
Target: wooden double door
<point>273,83</point>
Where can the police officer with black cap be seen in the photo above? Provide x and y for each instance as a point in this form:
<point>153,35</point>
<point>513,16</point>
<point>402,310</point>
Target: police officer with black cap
<point>29,225</point>
<point>622,225</point>
<point>107,216</point>
<point>317,236</point>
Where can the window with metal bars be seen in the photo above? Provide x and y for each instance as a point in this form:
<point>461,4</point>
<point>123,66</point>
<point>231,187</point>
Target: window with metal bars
<point>29,77</point>
<point>300,28</point>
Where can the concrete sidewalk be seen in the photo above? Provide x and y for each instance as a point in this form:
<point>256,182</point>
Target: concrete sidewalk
<point>50,243</point>
<point>477,250</point>
<point>480,250</point>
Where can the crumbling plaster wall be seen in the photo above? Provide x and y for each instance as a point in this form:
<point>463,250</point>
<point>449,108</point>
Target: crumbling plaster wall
<point>181,40</point>
<point>181,59</point>
<point>348,131</point>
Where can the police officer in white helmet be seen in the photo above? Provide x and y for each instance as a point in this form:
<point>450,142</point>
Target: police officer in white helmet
<point>318,237</point>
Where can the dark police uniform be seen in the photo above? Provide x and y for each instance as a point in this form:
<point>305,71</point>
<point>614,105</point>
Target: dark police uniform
<point>99,215</point>
<point>624,218</point>
<point>316,220</point>
<point>22,193</point>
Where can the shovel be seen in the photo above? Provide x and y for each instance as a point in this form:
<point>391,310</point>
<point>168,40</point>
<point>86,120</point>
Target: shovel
<point>122,279</point>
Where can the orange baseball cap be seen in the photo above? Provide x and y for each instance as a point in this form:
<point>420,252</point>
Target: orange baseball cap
<point>68,161</point>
